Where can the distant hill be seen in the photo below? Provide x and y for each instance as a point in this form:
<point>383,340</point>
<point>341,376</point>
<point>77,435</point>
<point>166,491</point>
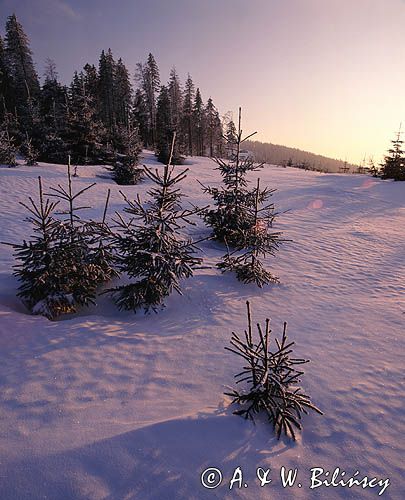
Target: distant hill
<point>281,155</point>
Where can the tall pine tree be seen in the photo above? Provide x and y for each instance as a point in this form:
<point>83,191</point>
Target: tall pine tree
<point>198,124</point>
<point>21,67</point>
<point>213,130</point>
<point>106,75</point>
<point>148,77</point>
<point>122,94</point>
<point>139,116</point>
<point>6,85</point>
<point>53,100</point>
<point>175,97</point>
<point>165,129</point>
<point>85,132</point>
<point>187,116</point>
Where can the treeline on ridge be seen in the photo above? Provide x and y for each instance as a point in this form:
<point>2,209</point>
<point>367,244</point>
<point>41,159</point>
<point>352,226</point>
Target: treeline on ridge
<point>100,114</point>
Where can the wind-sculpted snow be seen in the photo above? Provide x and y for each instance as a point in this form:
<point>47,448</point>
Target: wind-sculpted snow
<point>110,405</point>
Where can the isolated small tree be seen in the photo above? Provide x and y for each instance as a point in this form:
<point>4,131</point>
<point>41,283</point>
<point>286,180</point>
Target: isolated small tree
<point>394,163</point>
<point>272,379</point>
<point>149,246</point>
<point>88,261</point>
<point>39,288</point>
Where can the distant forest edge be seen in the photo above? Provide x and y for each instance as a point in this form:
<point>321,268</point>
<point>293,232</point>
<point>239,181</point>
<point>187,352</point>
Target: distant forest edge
<point>102,118</point>
<point>275,154</point>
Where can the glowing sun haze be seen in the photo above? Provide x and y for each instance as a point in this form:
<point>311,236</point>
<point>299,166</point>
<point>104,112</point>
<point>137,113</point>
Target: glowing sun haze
<point>321,75</point>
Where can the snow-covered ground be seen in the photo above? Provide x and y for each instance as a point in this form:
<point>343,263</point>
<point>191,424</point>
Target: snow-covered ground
<point>110,405</point>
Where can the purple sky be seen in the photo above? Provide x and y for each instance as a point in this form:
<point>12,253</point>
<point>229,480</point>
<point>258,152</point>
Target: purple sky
<point>322,75</point>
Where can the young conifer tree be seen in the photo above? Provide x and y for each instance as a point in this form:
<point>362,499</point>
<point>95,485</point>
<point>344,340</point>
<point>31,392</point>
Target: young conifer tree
<point>38,266</point>
<point>272,379</point>
<point>7,149</point>
<point>63,263</point>
<point>394,163</point>
<point>29,152</point>
<point>372,167</point>
<point>229,219</point>
<point>242,218</point>
<point>260,242</point>
<point>150,247</point>
<point>233,215</point>
<point>125,169</point>
<point>88,262</point>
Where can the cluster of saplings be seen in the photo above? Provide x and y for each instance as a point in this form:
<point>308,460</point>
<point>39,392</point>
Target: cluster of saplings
<point>99,118</point>
<point>69,258</point>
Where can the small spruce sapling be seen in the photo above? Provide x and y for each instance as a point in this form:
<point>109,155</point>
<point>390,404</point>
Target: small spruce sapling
<point>65,261</point>
<point>7,149</point>
<point>243,217</point>
<point>38,261</point>
<point>83,267</point>
<point>394,162</point>
<point>259,242</point>
<point>60,268</point>
<point>125,170</point>
<point>29,152</point>
<point>372,168</point>
<point>150,248</point>
<point>232,218</point>
<point>272,379</point>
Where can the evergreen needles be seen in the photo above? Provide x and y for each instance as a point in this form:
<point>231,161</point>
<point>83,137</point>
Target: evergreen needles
<point>149,246</point>
<point>7,149</point>
<point>29,152</point>
<point>65,261</point>
<point>125,170</point>
<point>259,241</point>
<point>394,163</point>
<point>242,217</point>
<point>272,379</point>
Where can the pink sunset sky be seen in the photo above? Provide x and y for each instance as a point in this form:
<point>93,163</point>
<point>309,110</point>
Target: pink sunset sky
<point>321,75</point>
